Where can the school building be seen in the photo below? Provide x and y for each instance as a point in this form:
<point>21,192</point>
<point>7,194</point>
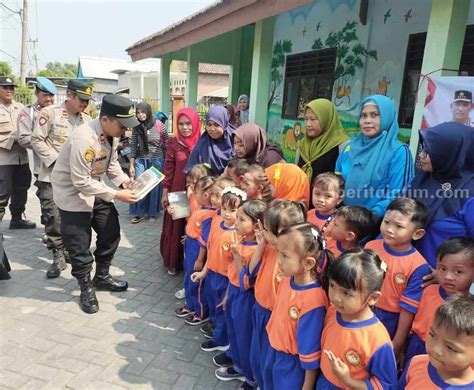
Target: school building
<point>284,53</point>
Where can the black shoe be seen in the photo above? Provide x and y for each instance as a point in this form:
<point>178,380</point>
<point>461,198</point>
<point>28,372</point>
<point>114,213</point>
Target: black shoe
<point>22,224</point>
<point>247,386</point>
<point>207,327</point>
<point>59,264</point>
<point>222,360</point>
<point>108,282</point>
<point>88,301</point>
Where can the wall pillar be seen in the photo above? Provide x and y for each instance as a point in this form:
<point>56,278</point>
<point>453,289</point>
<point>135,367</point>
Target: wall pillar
<point>261,75</point>
<point>234,78</point>
<point>191,79</point>
<point>443,49</point>
<point>164,105</point>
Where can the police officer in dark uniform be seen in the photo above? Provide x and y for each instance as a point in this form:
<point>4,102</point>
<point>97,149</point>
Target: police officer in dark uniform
<point>15,174</point>
<point>85,201</point>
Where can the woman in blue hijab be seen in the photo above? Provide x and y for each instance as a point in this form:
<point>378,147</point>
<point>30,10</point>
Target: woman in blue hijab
<point>445,185</point>
<point>215,145</point>
<point>375,164</point>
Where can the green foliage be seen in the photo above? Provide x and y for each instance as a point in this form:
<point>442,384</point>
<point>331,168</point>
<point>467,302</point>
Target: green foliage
<point>280,50</point>
<point>5,69</point>
<point>56,69</point>
<point>24,95</point>
<point>349,57</point>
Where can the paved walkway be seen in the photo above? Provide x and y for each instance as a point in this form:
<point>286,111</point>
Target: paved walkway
<point>135,341</point>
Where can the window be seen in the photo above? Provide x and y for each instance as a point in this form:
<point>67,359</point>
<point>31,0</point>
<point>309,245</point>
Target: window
<point>411,76</point>
<point>308,76</point>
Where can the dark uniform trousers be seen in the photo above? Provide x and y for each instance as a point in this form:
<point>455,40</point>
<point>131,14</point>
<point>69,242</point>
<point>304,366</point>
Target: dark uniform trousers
<point>76,232</point>
<point>14,183</point>
<point>50,216</point>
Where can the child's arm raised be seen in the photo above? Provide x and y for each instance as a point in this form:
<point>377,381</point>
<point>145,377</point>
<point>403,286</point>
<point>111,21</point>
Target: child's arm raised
<point>234,247</point>
<point>261,244</point>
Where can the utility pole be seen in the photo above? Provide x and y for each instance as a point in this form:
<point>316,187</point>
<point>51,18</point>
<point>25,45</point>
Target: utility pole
<point>34,42</point>
<point>24,34</point>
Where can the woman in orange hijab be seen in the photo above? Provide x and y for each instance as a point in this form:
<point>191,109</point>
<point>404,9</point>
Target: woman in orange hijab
<point>289,181</point>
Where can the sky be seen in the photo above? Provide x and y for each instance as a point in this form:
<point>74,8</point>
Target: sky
<point>68,29</point>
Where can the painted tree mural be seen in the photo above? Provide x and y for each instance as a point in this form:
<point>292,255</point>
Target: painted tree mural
<point>280,50</point>
<point>350,57</point>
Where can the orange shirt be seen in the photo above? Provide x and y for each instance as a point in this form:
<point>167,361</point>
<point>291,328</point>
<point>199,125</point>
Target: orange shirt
<point>322,221</point>
<point>420,374</point>
<point>297,321</point>
<point>193,204</point>
<point>364,346</point>
<point>196,220</point>
<point>219,255</point>
<point>402,284</point>
<point>246,250</point>
<point>335,247</point>
<point>215,222</point>
<point>268,278</point>
<point>433,297</point>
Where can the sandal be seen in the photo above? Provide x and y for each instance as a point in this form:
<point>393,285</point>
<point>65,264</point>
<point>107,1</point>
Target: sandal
<point>137,219</point>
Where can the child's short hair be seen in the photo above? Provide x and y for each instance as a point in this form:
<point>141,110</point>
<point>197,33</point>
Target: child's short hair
<point>240,165</point>
<point>198,171</point>
<point>359,220</point>
<point>456,245</point>
<point>224,181</point>
<point>255,209</point>
<point>233,197</point>
<point>409,206</point>
<point>205,183</point>
<point>358,269</point>
<point>457,314</point>
<point>282,213</point>
<point>324,181</point>
<point>262,179</point>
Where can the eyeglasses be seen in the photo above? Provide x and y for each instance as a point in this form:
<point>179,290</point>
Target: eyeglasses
<point>423,151</point>
<point>12,87</point>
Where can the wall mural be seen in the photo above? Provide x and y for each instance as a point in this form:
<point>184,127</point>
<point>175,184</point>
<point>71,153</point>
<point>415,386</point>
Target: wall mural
<point>365,63</point>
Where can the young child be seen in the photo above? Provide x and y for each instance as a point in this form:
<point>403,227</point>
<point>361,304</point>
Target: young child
<point>455,274</point>
<point>219,257</point>
<point>296,323</point>
<point>328,193</point>
<point>236,169</point>
<point>196,172</point>
<point>195,303</point>
<point>401,291</point>
<point>255,183</point>
<point>357,352</point>
<point>264,267</point>
<point>351,226</point>
<point>240,299</point>
<point>450,347</point>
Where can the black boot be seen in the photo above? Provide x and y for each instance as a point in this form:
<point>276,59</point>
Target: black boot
<point>104,281</point>
<point>59,264</point>
<point>19,223</point>
<point>88,300</point>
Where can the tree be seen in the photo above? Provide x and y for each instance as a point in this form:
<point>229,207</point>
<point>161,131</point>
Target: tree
<point>56,69</point>
<point>280,50</point>
<point>5,69</point>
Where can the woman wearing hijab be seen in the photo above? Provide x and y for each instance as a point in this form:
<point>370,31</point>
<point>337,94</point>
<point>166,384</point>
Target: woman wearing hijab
<point>234,116</point>
<point>375,165</point>
<point>250,143</point>
<point>445,185</point>
<point>177,154</point>
<point>215,144</point>
<point>244,108</point>
<point>148,148</point>
<point>289,182</point>
<point>319,149</point>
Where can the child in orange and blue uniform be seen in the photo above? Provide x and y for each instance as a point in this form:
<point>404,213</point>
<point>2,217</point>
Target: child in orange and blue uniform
<point>328,193</point>
<point>297,320</point>
<point>256,184</point>
<point>195,303</point>
<point>263,268</point>
<point>352,226</point>
<point>401,291</point>
<point>450,347</point>
<point>219,257</point>
<point>240,298</point>
<point>455,274</point>
<point>216,198</point>
<point>357,351</point>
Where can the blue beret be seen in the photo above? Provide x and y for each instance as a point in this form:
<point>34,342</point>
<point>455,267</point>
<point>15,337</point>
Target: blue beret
<point>46,85</point>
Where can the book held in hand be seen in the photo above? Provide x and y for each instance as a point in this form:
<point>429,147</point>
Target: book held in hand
<point>148,180</point>
<point>180,203</point>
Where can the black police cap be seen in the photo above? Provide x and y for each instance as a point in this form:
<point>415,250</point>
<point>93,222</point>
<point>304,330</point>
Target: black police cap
<point>81,88</point>
<point>120,108</point>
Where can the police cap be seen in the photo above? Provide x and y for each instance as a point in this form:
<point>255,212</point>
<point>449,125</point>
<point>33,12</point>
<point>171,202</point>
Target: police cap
<point>120,108</point>
<point>4,81</point>
<point>81,88</point>
<point>463,96</point>
<point>45,85</point>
